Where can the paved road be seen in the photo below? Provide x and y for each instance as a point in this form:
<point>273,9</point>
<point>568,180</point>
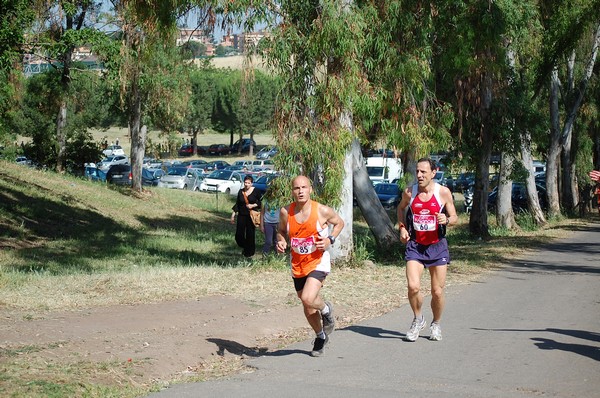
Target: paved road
<point>529,330</point>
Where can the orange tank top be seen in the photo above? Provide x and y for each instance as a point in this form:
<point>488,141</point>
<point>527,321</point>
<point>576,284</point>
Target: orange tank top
<point>303,237</point>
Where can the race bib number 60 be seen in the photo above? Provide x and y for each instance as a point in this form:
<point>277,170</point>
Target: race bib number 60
<point>425,222</point>
<point>303,245</point>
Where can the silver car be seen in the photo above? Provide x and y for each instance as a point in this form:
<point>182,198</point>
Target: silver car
<point>193,179</point>
<point>175,178</point>
<point>105,164</point>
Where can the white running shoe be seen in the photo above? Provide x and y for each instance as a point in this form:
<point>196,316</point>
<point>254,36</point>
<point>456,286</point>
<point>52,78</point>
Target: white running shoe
<point>436,332</point>
<point>415,328</point>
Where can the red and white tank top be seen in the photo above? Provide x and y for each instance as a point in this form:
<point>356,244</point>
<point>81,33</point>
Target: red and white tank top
<point>424,216</point>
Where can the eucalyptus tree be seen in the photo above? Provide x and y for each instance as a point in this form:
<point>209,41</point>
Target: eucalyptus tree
<point>353,71</point>
<point>17,16</point>
<point>570,45</point>
<point>151,76</point>
<point>60,27</point>
<point>473,74</point>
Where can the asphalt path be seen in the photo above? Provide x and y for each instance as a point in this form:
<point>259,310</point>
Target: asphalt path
<point>531,329</point>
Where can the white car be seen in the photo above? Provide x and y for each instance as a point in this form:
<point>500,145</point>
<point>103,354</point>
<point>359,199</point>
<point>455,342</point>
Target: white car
<point>114,150</point>
<point>111,161</point>
<point>226,181</point>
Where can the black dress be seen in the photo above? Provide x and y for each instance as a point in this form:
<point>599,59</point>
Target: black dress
<point>245,231</point>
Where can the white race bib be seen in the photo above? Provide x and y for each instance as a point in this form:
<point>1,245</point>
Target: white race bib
<point>425,222</point>
<point>303,245</point>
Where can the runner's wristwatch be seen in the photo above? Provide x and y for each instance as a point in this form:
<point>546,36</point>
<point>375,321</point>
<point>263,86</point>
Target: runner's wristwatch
<point>331,239</point>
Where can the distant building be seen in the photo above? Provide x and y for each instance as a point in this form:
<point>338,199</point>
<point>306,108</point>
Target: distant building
<point>196,35</point>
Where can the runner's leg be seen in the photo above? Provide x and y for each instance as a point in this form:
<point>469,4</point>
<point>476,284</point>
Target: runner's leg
<point>414,271</point>
<point>438,281</point>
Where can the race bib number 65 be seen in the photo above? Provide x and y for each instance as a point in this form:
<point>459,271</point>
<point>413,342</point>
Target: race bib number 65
<point>303,245</point>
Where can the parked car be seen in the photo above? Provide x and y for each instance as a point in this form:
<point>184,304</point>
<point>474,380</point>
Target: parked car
<point>267,152</point>
<point>262,164</point>
<point>463,181</point>
<point>245,144</point>
<point>119,174</point>
<point>243,163</point>
<point>262,183</point>
<point>106,163</point>
<point>114,150</point>
<point>389,194</point>
<point>174,178</point>
<point>186,150</point>
<point>235,168</point>
<point>24,161</point>
<point>93,173</point>
<point>151,176</point>
<point>195,164</point>
<point>193,179</point>
<point>219,149</point>
<point>215,165</point>
<point>226,181</point>
<point>519,197</point>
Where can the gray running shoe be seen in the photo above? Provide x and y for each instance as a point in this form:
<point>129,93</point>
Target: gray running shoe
<point>415,328</point>
<point>318,346</point>
<point>328,320</point>
<point>436,332</point>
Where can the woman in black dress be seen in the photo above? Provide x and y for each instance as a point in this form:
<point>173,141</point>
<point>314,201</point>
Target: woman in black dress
<point>248,199</point>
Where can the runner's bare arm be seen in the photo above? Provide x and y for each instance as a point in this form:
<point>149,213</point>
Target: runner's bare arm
<point>328,216</point>
<point>449,217</point>
<point>282,230</point>
<point>404,235</point>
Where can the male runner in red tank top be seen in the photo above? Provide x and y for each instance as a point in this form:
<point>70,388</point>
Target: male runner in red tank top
<point>424,212</point>
<point>308,225</point>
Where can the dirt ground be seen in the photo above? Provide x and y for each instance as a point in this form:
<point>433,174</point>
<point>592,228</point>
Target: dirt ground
<point>163,340</point>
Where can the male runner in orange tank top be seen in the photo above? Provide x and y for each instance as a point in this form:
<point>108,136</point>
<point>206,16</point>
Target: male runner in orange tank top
<point>311,229</point>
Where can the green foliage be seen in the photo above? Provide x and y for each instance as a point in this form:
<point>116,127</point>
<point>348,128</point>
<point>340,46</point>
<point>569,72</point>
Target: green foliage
<point>193,49</point>
<point>243,104</point>
<point>165,83</point>
<point>89,106</point>
<point>17,15</point>
<point>364,60</point>
<point>202,98</point>
<point>222,51</point>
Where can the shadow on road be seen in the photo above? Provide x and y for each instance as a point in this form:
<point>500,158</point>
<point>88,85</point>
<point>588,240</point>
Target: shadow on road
<point>589,351</point>
<point>375,332</point>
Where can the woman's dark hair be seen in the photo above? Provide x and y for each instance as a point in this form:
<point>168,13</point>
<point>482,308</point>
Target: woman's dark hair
<point>249,178</point>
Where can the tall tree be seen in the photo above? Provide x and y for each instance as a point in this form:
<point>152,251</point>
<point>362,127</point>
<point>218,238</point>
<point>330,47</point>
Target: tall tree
<point>61,26</point>
<point>201,102</point>
<point>567,27</point>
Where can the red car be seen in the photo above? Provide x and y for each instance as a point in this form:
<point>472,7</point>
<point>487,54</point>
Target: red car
<point>186,150</point>
<point>219,149</point>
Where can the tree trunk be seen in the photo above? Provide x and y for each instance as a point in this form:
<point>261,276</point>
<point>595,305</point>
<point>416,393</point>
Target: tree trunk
<point>61,120</point>
<point>379,222</point>
<point>478,222</point>
<point>554,149</point>
<point>532,194</point>
<point>138,137</point>
<point>345,248</point>
<point>505,216</point>
<point>570,188</point>
<point>61,136</point>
